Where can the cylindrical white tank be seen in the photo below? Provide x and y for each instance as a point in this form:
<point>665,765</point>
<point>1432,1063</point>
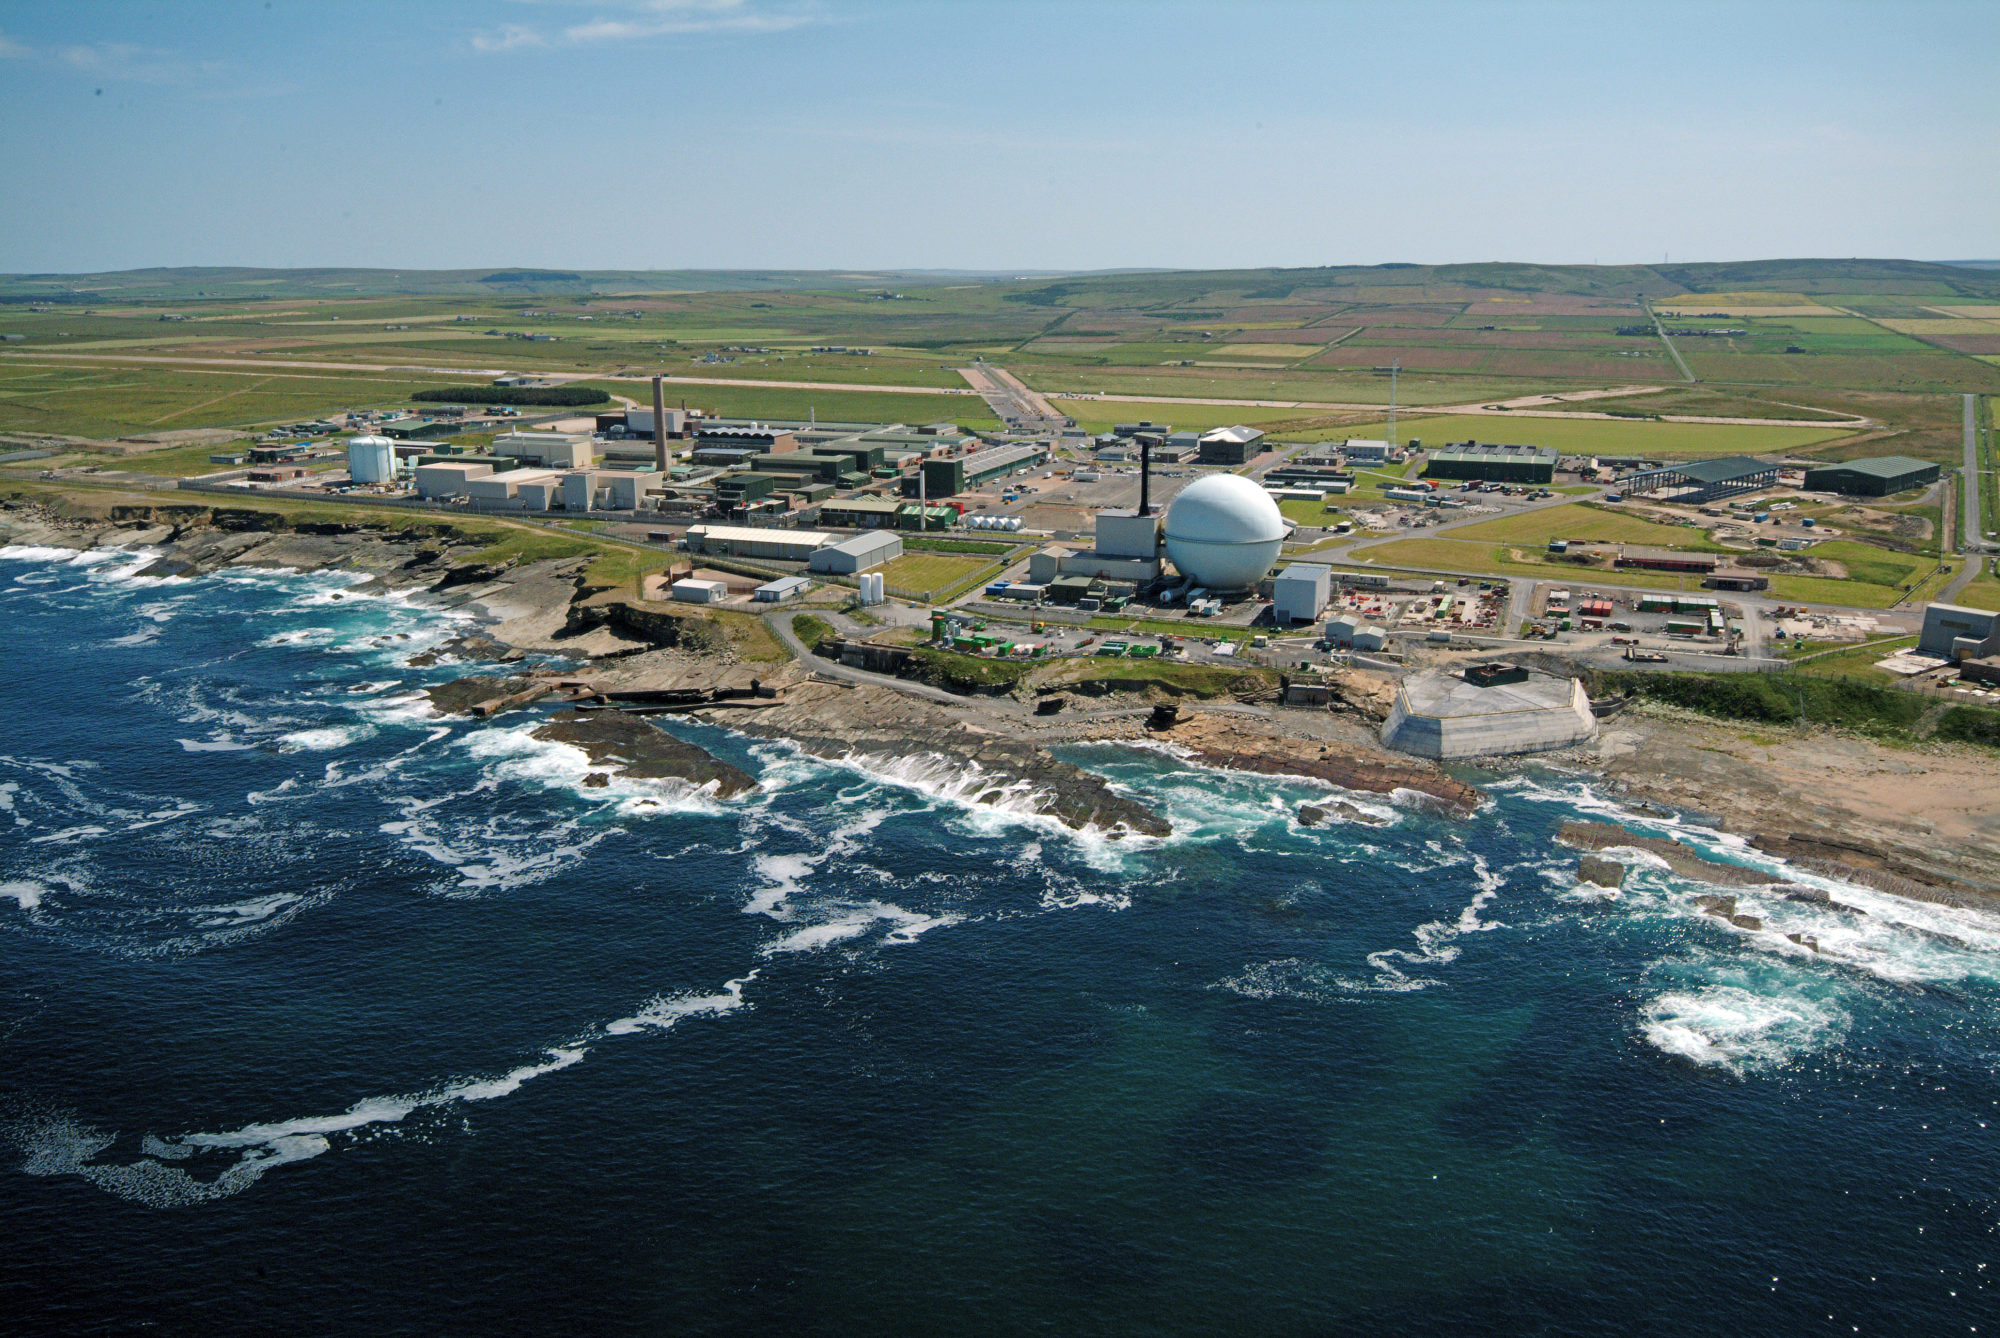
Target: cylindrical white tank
<point>1225,532</point>
<point>371,459</point>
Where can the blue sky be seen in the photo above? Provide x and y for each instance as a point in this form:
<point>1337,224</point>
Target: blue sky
<point>959,134</point>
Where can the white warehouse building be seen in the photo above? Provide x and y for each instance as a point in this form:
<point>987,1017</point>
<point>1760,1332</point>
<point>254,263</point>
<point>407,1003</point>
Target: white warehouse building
<point>857,554</point>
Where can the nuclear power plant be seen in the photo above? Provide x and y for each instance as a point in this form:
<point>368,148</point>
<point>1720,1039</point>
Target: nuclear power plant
<point>1224,532</point>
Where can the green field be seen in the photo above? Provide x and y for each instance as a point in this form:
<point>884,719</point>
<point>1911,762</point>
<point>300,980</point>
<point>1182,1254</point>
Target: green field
<point>932,571</point>
<point>1454,555</point>
<point>1599,436</point>
<point>85,401</point>
<point>1585,520</point>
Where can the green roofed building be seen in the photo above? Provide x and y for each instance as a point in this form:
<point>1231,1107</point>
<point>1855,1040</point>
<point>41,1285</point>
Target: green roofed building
<point>1492,463</point>
<point>1875,477</point>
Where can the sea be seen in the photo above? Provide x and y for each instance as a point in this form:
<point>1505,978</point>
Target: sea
<point>323,1013</point>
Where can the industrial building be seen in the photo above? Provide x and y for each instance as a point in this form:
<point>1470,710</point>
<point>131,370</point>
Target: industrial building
<point>766,436</point>
<point>847,557</point>
<point>742,541</point>
<point>1301,592</point>
<point>1958,633</point>
<point>784,588</point>
<point>1363,450</point>
<point>1877,476</point>
<point>1223,532</point>
<point>436,481</point>
<point>1350,633</point>
<point>1666,559</point>
<point>1492,463</point>
<point>417,429</point>
<point>371,460</point>
<point>945,477</point>
<point>551,450</point>
<point>1704,480</point>
<point>1487,711</point>
<point>1236,445</point>
<point>699,592</point>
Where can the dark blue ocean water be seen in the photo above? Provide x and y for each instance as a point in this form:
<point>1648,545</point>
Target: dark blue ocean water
<point>321,1014</point>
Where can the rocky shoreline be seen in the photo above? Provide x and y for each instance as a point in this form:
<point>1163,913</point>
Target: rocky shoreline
<point>995,749</point>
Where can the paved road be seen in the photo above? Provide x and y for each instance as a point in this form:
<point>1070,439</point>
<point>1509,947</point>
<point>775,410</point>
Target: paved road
<point>1527,406</point>
<point>265,363</point>
<point>781,627</point>
<point>1016,405</point>
<point>1972,537</point>
<point>1661,330</point>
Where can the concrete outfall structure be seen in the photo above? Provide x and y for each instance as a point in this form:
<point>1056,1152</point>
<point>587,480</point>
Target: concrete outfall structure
<point>1487,711</point>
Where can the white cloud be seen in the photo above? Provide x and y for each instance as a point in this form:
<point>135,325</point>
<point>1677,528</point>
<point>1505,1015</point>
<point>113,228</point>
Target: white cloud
<point>507,38</point>
<point>638,20</point>
<point>122,60</point>
<point>12,50</point>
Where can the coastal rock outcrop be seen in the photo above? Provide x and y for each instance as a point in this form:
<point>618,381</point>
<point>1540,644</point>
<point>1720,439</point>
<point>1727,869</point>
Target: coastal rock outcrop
<point>898,734</point>
<point>643,751</point>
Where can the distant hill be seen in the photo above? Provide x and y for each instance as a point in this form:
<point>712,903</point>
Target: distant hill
<point>1979,279</point>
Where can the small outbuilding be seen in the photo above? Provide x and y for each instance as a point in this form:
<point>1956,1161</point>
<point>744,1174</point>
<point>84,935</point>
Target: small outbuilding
<point>691,591</point>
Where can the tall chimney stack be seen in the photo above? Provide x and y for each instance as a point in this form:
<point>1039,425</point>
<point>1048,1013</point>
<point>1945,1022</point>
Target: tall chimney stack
<point>660,423</point>
<point>1145,478</point>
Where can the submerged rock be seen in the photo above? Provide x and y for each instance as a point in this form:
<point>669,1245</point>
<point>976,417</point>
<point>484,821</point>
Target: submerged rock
<point>1336,810</point>
<point>642,751</point>
<point>1601,871</point>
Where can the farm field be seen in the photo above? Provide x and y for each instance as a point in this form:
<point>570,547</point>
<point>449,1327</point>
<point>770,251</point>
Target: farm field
<point>102,402</point>
<point>1607,436</point>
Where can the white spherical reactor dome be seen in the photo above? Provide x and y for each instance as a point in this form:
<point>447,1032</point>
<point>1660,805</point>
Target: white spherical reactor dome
<point>1224,532</point>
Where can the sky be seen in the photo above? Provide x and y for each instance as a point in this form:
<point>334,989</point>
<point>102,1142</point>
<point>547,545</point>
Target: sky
<point>966,134</point>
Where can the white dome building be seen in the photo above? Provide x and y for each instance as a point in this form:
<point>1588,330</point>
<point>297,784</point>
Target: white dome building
<point>1224,532</point>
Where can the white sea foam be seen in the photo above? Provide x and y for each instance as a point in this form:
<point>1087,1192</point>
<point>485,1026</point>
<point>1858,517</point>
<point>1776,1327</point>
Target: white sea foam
<point>1739,1028</point>
<point>664,1010</point>
<point>63,1146</point>
<point>323,740</point>
<point>138,638</point>
<point>246,912</point>
<point>516,756</point>
<point>844,921</point>
<point>301,636</point>
<point>1436,941</point>
<point>223,744</point>
<point>27,895</point>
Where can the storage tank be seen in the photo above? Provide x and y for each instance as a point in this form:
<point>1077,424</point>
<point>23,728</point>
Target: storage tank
<point>371,460</point>
<point>1224,532</point>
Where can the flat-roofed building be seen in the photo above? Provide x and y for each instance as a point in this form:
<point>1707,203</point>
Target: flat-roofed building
<point>1493,463</point>
<point>861,513</point>
<point>551,450</point>
<point>753,542</point>
<point>1300,592</point>
<point>1666,559</point>
<point>1231,445</point>
<point>1877,476</point>
<point>448,480</point>
<point>1367,451</point>
<point>691,591</point>
<point>1959,633</point>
